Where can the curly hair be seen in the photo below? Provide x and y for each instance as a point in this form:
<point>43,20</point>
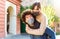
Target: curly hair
<point>24,14</point>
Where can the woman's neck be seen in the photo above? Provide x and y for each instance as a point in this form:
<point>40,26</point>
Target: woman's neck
<point>32,25</point>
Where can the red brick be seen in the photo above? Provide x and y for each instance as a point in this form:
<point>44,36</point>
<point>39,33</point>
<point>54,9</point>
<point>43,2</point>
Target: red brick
<point>2,16</point>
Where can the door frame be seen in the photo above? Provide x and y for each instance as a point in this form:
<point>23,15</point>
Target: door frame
<point>14,14</point>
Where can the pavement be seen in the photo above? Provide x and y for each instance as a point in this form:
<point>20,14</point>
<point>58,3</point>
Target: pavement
<point>23,36</point>
<point>57,36</point>
<point>20,36</point>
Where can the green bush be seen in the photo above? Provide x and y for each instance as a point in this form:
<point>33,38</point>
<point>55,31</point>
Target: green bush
<point>49,11</point>
<point>22,8</point>
<point>58,33</point>
<point>19,15</point>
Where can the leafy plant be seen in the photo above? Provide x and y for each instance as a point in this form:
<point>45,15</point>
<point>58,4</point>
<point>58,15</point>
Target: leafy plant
<point>22,8</point>
<point>19,15</point>
<point>56,19</point>
<point>49,11</point>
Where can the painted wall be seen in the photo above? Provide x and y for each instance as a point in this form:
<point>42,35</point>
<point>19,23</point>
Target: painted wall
<point>57,7</point>
<point>2,17</point>
<point>17,3</point>
<point>29,2</point>
<point>12,17</point>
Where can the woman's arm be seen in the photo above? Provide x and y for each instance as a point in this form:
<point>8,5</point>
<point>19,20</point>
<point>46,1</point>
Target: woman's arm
<point>32,31</point>
<point>39,31</point>
<point>43,25</point>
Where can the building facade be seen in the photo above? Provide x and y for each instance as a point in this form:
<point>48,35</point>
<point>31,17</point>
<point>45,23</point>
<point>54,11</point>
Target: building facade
<point>9,22</point>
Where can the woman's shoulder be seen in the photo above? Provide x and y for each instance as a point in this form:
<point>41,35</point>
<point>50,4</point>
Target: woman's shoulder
<point>43,15</point>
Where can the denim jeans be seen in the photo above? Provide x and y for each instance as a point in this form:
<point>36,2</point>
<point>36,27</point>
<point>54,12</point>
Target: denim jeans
<point>36,37</point>
<point>49,34</point>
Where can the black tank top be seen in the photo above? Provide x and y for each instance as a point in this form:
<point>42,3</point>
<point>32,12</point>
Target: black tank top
<point>36,25</point>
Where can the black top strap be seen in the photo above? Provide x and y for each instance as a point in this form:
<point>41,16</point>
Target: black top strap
<point>36,25</point>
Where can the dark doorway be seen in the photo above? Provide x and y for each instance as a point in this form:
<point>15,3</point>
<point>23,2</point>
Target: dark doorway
<point>8,21</point>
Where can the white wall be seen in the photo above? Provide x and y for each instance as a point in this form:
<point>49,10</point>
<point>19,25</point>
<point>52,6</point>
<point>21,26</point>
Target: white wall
<point>57,7</point>
<point>12,27</point>
<point>29,2</point>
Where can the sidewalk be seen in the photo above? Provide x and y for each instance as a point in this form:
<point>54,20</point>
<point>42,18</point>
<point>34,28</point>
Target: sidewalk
<point>24,36</point>
<point>21,36</point>
<point>58,37</point>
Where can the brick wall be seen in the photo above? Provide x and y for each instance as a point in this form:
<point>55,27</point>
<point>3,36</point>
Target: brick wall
<point>2,18</point>
<point>18,20</point>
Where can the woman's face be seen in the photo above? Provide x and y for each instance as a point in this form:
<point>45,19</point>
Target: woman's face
<point>35,8</point>
<point>27,17</point>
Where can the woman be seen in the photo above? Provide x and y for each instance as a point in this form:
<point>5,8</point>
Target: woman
<point>34,26</point>
<point>48,31</point>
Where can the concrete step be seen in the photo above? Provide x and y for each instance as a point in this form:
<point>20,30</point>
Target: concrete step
<point>21,36</point>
